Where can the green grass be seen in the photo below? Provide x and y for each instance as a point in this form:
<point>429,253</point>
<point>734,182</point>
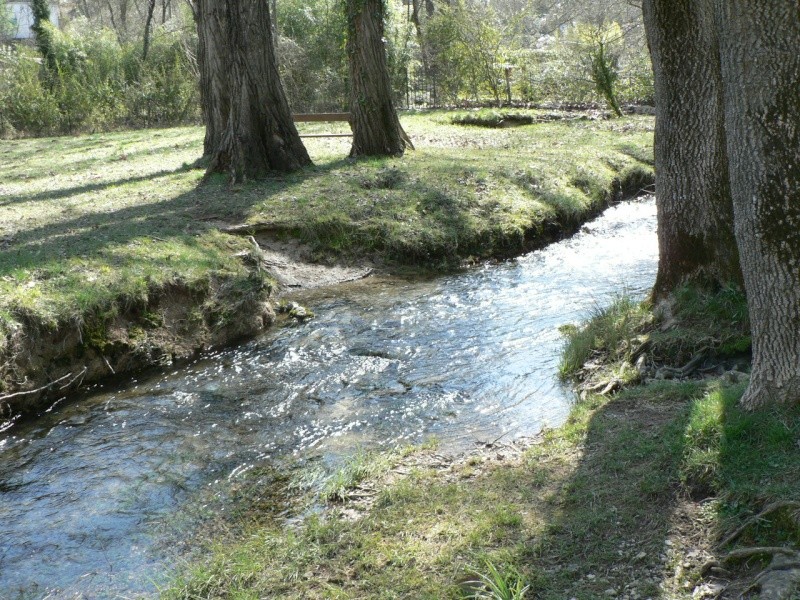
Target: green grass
<point>361,466</point>
<point>87,219</point>
<point>694,321</point>
<point>610,336</point>
<point>92,227</point>
<point>630,496</point>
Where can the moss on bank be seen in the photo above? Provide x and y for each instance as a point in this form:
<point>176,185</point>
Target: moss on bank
<point>97,231</point>
<point>629,499</point>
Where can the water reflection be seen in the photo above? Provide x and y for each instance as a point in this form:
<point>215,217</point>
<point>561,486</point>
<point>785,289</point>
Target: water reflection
<point>89,493</point>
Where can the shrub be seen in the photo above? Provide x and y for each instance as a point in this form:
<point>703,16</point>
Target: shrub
<point>93,82</point>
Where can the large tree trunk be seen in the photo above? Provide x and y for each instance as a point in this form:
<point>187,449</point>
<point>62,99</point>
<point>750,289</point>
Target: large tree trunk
<point>695,214</point>
<point>376,128</point>
<point>259,135</point>
<point>212,61</point>
<point>759,42</point>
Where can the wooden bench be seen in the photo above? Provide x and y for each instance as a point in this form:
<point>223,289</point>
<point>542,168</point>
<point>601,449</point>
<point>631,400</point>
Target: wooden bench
<point>322,118</point>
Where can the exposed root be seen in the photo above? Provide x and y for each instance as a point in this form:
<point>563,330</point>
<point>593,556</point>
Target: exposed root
<point>778,581</point>
<point>45,387</point>
<point>253,228</point>
<point>768,510</point>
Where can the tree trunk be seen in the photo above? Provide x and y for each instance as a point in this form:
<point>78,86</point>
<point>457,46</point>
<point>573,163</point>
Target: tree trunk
<point>259,135</point>
<point>423,48</point>
<point>376,128</point>
<point>212,59</point>
<point>44,40</point>
<point>123,19</point>
<point>151,7</point>
<point>273,7</point>
<point>759,41</point>
<point>695,213</point>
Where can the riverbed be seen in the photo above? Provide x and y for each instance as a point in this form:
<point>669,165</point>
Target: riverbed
<point>94,493</point>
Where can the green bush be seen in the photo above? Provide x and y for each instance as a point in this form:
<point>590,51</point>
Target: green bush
<point>24,102</point>
<point>92,82</point>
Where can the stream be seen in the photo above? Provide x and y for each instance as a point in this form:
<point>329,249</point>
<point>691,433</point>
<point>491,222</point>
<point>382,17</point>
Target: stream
<point>94,492</point>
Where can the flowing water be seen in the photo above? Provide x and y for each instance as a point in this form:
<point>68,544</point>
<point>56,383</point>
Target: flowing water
<point>92,492</point>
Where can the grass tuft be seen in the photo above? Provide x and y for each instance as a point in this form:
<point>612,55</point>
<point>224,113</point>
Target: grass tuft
<point>488,117</point>
<point>609,336</point>
<point>361,466</point>
<point>696,320</point>
<point>498,583</point>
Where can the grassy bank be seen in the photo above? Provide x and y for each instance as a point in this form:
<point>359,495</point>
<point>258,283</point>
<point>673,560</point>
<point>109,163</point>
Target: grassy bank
<point>111,256</point>
<point>636,496</point>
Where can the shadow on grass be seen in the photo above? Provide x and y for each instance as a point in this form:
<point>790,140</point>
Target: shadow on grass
<point>180,216</point>
<point>608,535</point>
<point>88,188</point>
<point>666,470</point>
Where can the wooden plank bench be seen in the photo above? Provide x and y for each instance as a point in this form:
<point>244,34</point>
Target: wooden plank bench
<point>321,118</point>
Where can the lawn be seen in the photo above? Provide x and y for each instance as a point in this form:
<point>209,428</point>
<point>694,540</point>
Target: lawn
<point>94,229</point>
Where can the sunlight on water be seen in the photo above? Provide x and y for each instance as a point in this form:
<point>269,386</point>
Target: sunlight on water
<point>89,492</point>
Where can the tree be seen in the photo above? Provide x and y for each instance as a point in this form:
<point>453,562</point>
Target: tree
<point>759,41</point>
<point>211,53</point>
<point>695,212</point>
<point>151,6</point>
<point>739,86</point>
<point>251,131</point>
<point>40,28</point>
<point>376,128</point>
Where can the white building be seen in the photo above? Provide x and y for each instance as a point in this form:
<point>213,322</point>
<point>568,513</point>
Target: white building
<point>20,19</point>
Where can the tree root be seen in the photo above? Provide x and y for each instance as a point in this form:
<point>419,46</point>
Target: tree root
<point>768,510</point>
<point>781,578</point>
<point>46,387</point>
<point>688,368</point>
<point>258,227</point>
<point>778,581</point>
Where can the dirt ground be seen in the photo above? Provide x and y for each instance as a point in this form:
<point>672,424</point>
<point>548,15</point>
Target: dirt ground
<point>290,263</point>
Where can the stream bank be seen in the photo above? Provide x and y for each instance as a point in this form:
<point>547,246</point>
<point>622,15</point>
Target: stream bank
<point>662,487</point>
<point>128,477</point>
<point>112,260</point>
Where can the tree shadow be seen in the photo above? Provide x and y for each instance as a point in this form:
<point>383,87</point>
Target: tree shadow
<point>610,533</point>
<point>664,471</point>
<point>68,192</point>
<point>156,216</point>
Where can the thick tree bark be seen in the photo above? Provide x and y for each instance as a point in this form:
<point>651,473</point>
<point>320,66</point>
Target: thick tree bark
<point>695,213</point>
<point>759,41</point>
<point>259,135</point>
<point>212,60</point>
<point>376,128</point>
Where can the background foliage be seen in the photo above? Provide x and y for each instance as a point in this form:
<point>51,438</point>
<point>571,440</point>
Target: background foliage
<point>441,53</point>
